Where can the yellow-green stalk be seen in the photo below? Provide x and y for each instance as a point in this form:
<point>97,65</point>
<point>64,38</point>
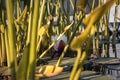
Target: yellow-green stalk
<point>85,53</point>
<point>89,21</point>
<point>68,44</point>
<point>3,46</point>
<point>30,22</point>
<point>45,52</point>
<point>7,47</point>
<point>33,41</point>
<point>11,38</point>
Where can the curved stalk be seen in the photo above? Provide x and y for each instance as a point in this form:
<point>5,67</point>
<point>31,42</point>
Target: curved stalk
<point>84,54</point>
<point>82,59</point>
<point>78,71</point>
<point>75,67</point>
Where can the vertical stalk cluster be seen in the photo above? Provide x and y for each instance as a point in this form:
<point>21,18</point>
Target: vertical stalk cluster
<point>23,32</point>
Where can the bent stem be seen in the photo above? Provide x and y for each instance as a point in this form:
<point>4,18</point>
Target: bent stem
<point>84,54</point>
<point>74,70</point>
<point>78,72</point>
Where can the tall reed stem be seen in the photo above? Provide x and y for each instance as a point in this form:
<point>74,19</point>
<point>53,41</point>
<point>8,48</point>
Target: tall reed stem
<point>33,42</point>
<point>30,22</point>
<point>11,38</point>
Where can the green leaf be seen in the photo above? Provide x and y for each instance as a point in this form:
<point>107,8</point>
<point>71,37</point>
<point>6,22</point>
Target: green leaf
<point>96,14</point>
<point>22,16</point>
<point>23,65</point>
<point>44,29</point>
<point>89,21</point>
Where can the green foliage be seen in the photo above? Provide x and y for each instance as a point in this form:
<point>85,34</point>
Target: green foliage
<point>24,30</point>
<point>22,72</point>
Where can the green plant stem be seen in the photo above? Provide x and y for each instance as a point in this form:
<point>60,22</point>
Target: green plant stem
<point>7,48</point>
<point>30,23</point>
<point>72,4</point>
<point>22,72</point>
<point>64,15</point>
<point>18,8</point>
<point>33,42</point>
<point>72,75</point>
<point>93,4</point>
<point>3,47</point>
<point>84,54</point>
<point>74,17</point>
<point>82,59</point>
<point>62,55</point>
<point>39,44</point>
<point>97,41</point>
<point>78,71</point>
<point>41,14</point>
<point>45,52</point>
<point>11,38</point>
<point>114,32</point>
<point>106,35</point>
<point>0,54</point>
<point>48,8</point>
<point>68,44</point>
